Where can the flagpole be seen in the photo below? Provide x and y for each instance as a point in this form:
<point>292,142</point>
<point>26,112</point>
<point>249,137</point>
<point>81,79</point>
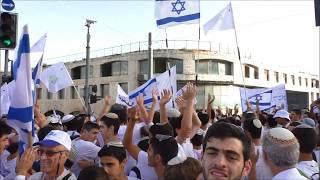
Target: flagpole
<point>197,62</point>
<point>239,56</point>
<point>85,108</point>
<point>168,65</point>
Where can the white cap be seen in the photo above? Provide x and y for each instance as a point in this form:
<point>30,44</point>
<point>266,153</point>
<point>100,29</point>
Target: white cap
<point>67,118</point>
<point>55,138</point>
<point>282,114</point>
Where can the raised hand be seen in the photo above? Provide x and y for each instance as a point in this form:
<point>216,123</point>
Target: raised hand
<point>236,109</point>
<point>140,100</point>
<point>180,102</point>
<point>211,99</point>
<point>190,92</point>
<point>133,114</point>
<point>165,96</point>
<point>154,95</point>
<point>24,164</point>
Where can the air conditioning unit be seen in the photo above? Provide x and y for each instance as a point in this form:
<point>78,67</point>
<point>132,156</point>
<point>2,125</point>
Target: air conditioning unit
<point>142,77</point>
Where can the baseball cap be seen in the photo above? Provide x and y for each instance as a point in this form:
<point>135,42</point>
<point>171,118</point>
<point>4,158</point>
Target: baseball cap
<point>55,138</point>
<point>282,114</point>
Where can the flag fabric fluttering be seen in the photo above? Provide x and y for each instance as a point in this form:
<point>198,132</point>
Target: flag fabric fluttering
<point>221,21</point>
<point>56,77</point>
<point>168,80</point>
<point>145,90</point>
<point>123,98</point>
<point>20,111</point>
<point>38,47</point>
<point>174,12</point>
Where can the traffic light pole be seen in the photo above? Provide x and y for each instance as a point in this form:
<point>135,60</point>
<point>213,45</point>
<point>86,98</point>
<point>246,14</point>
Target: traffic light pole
<point>6,61</point>
<point>88,23</point>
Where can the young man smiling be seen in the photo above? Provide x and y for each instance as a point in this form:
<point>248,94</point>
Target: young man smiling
<point>226,151</point>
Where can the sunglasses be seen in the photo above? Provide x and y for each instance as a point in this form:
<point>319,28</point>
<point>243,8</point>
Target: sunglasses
<point>48,153</point>
<point>161,137</point>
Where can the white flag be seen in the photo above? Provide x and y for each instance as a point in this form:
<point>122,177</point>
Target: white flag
<point>174,12</point>
<point>168,80</point>
<point>56,77</point>
<point>221,21</point>
<point>122,97</point>
<point>39,45</point>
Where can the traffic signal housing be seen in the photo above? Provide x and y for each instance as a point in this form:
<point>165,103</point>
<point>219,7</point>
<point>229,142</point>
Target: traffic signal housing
<point>8,30</point>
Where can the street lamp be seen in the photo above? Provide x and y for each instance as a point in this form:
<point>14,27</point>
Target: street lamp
<point>88,23</point>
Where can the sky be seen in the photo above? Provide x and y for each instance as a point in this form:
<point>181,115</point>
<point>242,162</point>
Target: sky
<point>278,34</point>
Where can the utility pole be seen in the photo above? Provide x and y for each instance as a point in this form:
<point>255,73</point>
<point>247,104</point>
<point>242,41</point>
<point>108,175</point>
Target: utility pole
<point>150,56</point>
<point>88,23</point>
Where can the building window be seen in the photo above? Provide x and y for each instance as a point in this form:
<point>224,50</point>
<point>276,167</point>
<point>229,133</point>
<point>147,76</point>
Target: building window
<point>300,81</point>
<point>213,66</point>
<point>80,72</point>
<point>124,86</point>
<point>160,64</point>
<point>312,96</point>
<point>285,78</point>
<point>247,71</point>
<point>306,79</point>
<point>276,76</point>
<point>266,74</point>
<point>143,67</point>
<point>115,68</point>
<point>104,90</point>
<point>73,93</point>
<point>256,73</point>
<point>61,94</point>
<point>49,95</point>
<point>293,80</point>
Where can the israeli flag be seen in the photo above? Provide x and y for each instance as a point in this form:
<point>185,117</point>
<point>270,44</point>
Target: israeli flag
<point>145,90</point>
<point>38,47</point>
<point>123,98</point>
<point>20,113</point>
<point>264,98</point>
<point>174,12</point>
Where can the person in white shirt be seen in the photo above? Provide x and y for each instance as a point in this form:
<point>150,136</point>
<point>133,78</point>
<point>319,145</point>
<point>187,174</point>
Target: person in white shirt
<point>5,130</point>
<point>281,152</point>
<point>307,138</point>
<point>113,159</point>
<point>53,151</point>
<point>282,118</point>
<point>83,148</point>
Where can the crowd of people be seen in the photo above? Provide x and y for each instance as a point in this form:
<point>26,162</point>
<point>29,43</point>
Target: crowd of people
<point>181,143</point>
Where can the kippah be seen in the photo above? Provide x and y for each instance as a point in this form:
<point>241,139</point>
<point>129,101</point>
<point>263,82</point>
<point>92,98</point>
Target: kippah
<point>112,116</point>
<point>281,136</point>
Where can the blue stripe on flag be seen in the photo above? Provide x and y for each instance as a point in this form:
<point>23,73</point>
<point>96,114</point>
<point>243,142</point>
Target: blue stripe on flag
<point>21,114</point>
<point>142,90</point>
<point>261,104</point>
<point>35,71</point>
<point>147,101</point>
<point>24,47</point>
<point>188,17</point>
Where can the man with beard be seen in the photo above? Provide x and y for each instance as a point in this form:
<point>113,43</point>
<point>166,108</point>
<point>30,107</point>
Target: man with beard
<point>53,152</point>
<point>226,152</point>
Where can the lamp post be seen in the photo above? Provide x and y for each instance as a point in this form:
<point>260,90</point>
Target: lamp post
<point>88,23</point>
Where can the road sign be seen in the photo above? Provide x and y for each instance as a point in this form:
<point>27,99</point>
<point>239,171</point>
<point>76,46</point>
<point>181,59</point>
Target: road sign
<point>7,5</point>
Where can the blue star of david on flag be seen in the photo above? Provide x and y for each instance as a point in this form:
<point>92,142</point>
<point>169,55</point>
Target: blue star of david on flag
<point>177,4</point>
<point>174,12</point>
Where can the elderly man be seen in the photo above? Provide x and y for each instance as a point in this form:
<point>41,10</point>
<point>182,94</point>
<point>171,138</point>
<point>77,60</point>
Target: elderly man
<point>53,151</point>
<point>281,152</point>
<point>282,118</point>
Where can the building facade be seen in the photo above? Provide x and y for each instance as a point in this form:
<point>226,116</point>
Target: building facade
<point>219,74</point>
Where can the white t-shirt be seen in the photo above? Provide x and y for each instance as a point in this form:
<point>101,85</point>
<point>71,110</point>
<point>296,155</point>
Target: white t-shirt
<point>309,169</point>
<point>188,148</point>
<point>38,175</point>
<point>289,174</point>
<point>7,167</point>
<point>81,149</point>
<point>262,169</point>
<point>147,172</point>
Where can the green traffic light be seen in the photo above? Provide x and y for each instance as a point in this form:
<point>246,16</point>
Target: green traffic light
<point>7,42</point>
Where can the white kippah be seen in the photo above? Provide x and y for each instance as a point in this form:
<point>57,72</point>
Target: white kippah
<point>281,136</point>
<point>112,115</point>
<point>173,113</point>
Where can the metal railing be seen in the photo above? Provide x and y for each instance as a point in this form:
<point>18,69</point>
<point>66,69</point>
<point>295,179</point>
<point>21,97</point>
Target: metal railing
<point>140,46</point>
